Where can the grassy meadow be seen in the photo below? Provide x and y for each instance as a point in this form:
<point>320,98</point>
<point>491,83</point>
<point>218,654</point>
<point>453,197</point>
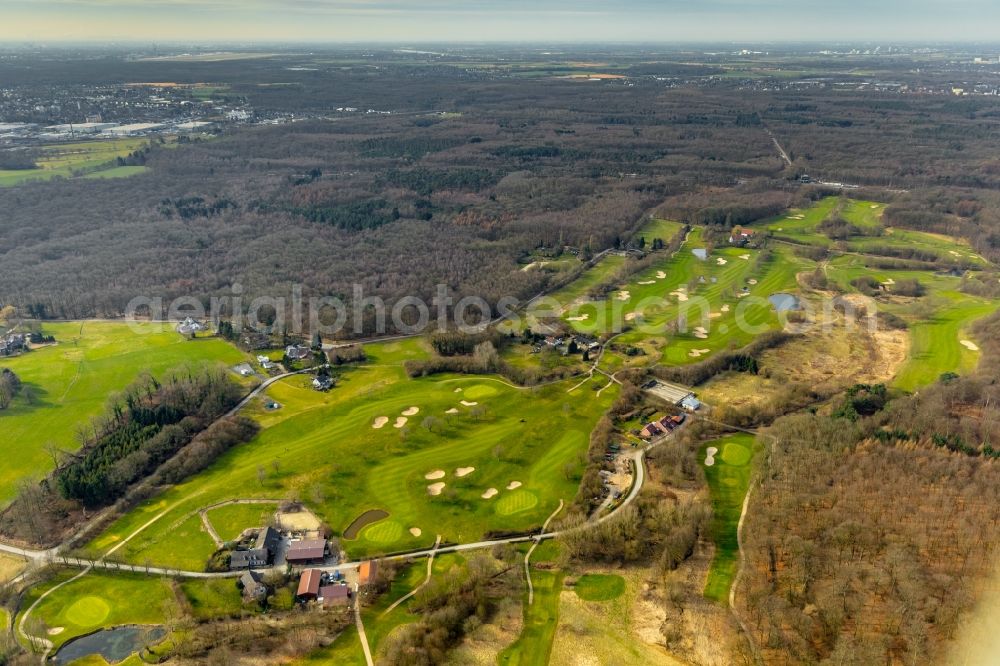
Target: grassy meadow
<point>67,384</point>
<point>67,160</point>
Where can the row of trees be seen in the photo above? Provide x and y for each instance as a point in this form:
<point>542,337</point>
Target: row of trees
<point>10,386</point>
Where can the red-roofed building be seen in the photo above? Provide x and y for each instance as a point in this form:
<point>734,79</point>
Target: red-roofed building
<point>309,584</point>
<point>335,595</point>
<point>366,573</point>
<point>308,551</point>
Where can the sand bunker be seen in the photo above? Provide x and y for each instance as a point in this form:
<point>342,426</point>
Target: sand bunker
<point>400,422</point>
<point>700,332</point>
<point>743,294</point>
<point>660,275</point>
<point>435,488</point>
<point>412,411</point>
<point>695,353</point>
<point>464,471</point>
<point>435,475</point>
<point>874,205</point>
<point>715,315</point>
<point>453,410</point>
<point>721,261</point>
<point>745,257</point>
<point>954,253</point>
<point>624,295</point>
<point>725,308</point>
<point>490,494</point>
<point>681,296</point>
<point>631,315</point>
<point>458,390</point>
<point>416,531</point>
<point>970,345</point>
<point>513,485</point>
<point>55,631</point>
<point>647,282</point>
<point>583,317</point>
<point>380,422</point>
<point>751,281</point>
<point>889,282</point>
<point>469,404</point>
<point>710,456</point>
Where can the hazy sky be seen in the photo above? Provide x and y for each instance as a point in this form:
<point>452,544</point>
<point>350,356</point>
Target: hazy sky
<point>507,20</point>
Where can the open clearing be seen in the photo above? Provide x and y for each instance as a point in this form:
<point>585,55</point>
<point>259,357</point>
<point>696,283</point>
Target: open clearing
<point>68,384</point>
<point>728,480</point>
<point>324,442</point>
<point>68,160</point>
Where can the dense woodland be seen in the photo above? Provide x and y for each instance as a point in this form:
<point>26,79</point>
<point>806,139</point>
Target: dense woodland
<point>400,203</point>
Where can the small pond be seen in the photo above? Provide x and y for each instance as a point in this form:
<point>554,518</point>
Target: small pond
<point>114,645</point>
<point>701,253</point>
<point>785,302</point>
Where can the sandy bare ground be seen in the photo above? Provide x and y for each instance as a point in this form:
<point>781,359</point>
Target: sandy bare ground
<point>380,422</point>
<point>490,493</point>
<point>412,411</point>
<point>513,485</point>
<point>416,531</point>
<point>400,422</point>
<point>464,471</point>
<point>435,488</point>
<point>435,475</point>
<point>970,345</point>
<point>298,521</point>
<point>467,403</point>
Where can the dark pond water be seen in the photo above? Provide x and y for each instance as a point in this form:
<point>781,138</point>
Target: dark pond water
<point>113,644</point>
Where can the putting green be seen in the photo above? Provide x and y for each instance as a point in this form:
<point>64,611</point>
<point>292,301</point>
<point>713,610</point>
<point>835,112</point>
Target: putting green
<point>736,454</point>
<point>88,611</point>
<point>386,531</point>
<point>479,392</point>
<point>515,502</point>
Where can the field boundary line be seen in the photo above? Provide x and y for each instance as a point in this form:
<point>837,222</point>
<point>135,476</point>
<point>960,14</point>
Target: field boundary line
<point>527,556</point>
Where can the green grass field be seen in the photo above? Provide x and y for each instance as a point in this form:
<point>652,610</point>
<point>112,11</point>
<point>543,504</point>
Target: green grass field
<point>68,384</point>
<point>599,587</point>
<point>66,160</point>
<point>230,520</point>
<point>98,601</point>
<point>541,618</point>
<point>708,294</point>
<point>211,599</point>
<point>728,480</point>
<point>118,172</point>
<point>323,448</point>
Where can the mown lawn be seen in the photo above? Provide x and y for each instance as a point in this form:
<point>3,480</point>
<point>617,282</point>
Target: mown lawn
<point>599,587</point>
<point>323,448</point>
<point>728,480</point>
<point>98,601</point>
<point>534,645</point>
<point>229,521</point>
<point>67,384</point>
